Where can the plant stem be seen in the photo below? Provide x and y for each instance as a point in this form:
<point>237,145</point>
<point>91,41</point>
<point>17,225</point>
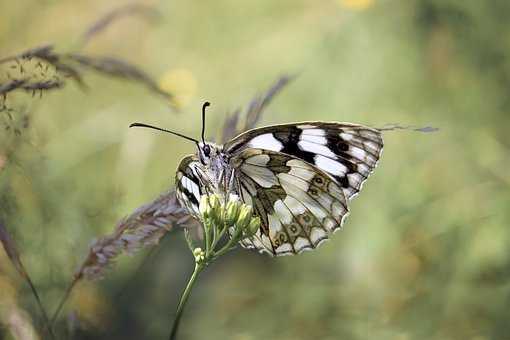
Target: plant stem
<point>41,308</point>
<point>63,301</point>
<point>184,299</point>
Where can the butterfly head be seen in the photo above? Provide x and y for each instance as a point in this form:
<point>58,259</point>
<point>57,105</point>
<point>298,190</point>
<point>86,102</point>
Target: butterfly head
<point>207,152</point>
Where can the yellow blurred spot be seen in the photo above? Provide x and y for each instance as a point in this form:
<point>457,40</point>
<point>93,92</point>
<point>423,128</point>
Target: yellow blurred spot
<point>480,337</point>
<point>181,84</point>
<point>91,306</point>
<point>7,291</point>
<point>402,336</point>
<point>357,5</point>
<point>3,161</point>
<point>242,336</point>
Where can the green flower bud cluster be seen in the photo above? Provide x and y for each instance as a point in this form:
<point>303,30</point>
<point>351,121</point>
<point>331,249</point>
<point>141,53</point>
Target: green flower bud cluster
<point>199,255</point>
<point>225,223</point>
<point>240,216</point>
<point>232,215</point>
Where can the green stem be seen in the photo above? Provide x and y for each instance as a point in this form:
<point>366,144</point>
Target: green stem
<point>218,238</point>
<point>63,301</point>
<point>231,243</point>
<point>206,237</point>
<point>41,308</point>
<point>184,299</point>
<point>228,247</point>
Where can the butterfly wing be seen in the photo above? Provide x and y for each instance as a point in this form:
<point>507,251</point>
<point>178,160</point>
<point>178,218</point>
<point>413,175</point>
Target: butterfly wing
<point>299,204</point>
<point>191,184</point>
<point>347,152</point>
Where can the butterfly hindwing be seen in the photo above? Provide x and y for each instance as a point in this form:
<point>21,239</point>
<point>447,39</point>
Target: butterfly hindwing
<point>347,152</point>
<point>190,184</point>
<point>299,204</point>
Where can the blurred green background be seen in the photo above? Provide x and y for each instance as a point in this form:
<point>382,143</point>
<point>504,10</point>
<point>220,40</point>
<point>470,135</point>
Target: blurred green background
<point>424,253</point>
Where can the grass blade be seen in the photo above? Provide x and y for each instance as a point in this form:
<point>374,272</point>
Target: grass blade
<point>12,253</point>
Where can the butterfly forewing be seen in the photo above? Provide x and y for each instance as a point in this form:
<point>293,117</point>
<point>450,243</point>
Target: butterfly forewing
<point>347,152</point>
<point>299,204</point>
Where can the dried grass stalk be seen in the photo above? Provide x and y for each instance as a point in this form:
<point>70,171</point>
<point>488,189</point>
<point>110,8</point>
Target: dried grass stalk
<point>109,18</point>
<point>70,65</point>
<point>24,84</point>
<point>12,85</point>
<point>31,53</point>
<point>12,250</point>
<point>259,103</point>
<point>119,68</point>
<point>230,126</point>
<point>254,111</point>
<point>47,55</point>
<point>143,228</point>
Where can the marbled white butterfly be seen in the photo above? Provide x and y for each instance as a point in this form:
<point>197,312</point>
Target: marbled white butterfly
<point>298,177</point>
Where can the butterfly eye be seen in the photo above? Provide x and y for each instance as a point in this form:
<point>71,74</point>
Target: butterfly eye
<point>207,150</point>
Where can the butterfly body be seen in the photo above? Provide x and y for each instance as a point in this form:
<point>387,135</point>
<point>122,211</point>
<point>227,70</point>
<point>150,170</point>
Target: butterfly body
<point>298,178</point>
<point>215,167</point>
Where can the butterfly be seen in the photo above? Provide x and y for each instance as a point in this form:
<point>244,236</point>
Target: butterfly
<point>298,178</point>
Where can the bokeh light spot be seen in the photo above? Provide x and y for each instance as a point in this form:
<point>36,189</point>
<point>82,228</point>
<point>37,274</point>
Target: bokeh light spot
<point>357,5</point>
<point>181,83</point>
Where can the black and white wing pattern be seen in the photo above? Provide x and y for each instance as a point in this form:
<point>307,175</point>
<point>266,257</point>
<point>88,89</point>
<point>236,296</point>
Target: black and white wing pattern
<point>299,204</point>
<point>297,177</point>
<point>348,152</point>
<point>191,184</point>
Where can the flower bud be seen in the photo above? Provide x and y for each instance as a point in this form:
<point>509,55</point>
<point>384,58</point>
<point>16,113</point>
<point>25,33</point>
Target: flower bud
<point>216,209</point>
<point>253,226</point>
<point>199,255</point>
<point>244,217</point>
<point>233,210</point>
<point>215,202</point>
<point>205,207</point>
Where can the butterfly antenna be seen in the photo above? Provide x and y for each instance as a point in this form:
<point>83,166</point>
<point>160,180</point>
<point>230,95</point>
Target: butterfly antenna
<point>164,130</point>
<point>206,104</point>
